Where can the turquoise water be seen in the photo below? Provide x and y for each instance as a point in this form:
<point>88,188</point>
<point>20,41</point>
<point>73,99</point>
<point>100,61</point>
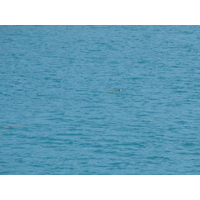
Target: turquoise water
<point>56,117</point>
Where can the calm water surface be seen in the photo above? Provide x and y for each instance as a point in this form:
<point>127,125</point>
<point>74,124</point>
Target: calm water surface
<point>56,118</point>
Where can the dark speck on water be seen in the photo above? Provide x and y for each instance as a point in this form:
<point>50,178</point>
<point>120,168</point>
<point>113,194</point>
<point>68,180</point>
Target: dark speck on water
<point>113,90</point>
<point>8,127</point>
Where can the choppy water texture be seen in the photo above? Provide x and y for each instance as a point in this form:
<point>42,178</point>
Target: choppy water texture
<point>56,117</point>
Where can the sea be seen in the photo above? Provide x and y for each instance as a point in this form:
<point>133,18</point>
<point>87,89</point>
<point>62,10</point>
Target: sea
<point>62,111</point>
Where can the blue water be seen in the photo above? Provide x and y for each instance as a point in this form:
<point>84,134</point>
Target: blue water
<point>56,118</point>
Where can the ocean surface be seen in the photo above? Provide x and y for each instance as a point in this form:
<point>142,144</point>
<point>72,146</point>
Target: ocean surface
<point>57,116</point>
